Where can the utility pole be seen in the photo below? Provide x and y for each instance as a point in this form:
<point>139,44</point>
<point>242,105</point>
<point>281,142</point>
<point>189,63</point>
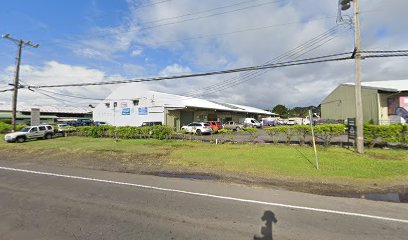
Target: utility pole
<point>16,84</point>
<point>344,5</point>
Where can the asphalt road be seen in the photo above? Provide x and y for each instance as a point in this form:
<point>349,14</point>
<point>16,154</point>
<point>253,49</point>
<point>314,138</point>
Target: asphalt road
<point>51,202</point>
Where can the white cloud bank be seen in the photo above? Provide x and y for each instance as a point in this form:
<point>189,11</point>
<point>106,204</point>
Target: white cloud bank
<point>291,23</point>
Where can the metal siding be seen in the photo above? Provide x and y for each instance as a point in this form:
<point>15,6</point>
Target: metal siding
<point>340,104</point>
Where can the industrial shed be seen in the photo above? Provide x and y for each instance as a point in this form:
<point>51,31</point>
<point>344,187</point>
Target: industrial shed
<point>130,106</point>
<point>48,114</point>
<point>384,102</point>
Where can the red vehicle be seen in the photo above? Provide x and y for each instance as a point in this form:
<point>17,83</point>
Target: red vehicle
<point>215,126</point>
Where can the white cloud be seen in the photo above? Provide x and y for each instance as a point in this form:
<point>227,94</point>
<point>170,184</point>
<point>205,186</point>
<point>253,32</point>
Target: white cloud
<point>175,69</point>
<point>279,28</point>
<point>136,52</point>
<point>53,72</point>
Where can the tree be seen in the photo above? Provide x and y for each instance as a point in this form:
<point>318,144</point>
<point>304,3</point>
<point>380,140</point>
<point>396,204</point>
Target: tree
<point>281,110</point>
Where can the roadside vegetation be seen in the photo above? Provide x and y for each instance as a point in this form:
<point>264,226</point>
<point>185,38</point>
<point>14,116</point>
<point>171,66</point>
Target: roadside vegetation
<point>377,167</point>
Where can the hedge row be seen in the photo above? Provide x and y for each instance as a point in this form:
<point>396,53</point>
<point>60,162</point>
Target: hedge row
<point>6,128</point>
<point>325,132</point>
<point>157,132</point>
<point>383,134</point>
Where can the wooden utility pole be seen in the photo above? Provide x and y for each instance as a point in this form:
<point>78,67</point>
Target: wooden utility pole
<point>359,103</point>
<point>16,84</point>
<point>343,6</point>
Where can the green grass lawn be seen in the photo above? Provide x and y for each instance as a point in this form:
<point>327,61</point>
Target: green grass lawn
<point>270,161</point>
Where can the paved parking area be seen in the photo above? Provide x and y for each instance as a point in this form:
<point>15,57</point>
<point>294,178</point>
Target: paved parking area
<point>260,137</point>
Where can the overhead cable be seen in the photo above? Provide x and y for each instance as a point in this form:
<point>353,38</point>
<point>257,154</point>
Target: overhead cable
<point>161,78</point>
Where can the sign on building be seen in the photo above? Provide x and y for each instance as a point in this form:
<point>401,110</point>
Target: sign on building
<point>142,111</point>
<point>35,116</point>
<point>126,111</point>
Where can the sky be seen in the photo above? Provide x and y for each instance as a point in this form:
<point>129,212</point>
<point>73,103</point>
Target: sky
<point>103,40</point>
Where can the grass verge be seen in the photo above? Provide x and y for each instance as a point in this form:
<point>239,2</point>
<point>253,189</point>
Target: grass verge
<point>378,167</point>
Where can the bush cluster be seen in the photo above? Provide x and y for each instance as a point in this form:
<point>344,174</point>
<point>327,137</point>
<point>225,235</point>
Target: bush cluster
<point>326,132</point>
<point>157,132</point>
<point>6,128</point>
<point>383,134</point>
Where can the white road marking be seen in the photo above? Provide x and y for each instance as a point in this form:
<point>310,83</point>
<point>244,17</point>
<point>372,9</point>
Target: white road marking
<point>210,195</point>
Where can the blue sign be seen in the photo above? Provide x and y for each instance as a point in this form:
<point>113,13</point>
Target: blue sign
<point>126,111</point>
<point>142,111</point>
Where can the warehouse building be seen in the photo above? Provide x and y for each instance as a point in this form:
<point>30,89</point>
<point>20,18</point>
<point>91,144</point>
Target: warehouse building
<point>130,106</point>
<point>48,114</point>
<point>384,102</point>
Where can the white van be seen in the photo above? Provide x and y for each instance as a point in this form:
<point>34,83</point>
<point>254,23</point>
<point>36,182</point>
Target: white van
<point>250,122</point>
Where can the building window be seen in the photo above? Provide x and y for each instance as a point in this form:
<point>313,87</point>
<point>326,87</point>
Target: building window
<point>107,105</point>
<point>136,102</point>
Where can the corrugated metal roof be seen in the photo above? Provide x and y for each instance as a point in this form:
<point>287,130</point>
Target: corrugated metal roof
<point>46,109</point>
<point>176,101</point>
<point>21,116</point>
<point>390,85</point>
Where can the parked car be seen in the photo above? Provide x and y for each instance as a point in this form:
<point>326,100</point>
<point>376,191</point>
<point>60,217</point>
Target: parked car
<point>215,126</point>
<point>250,122</point>
<point>98,123</point>
<point>281,121</point>
<point>64,128</point>
<point>198,128</point>
<point>38,132</point>
<point>82,122</point>
<point>291,121</point>
<point>233,126</point>
<point>269,121</point>
<point>145,124</point>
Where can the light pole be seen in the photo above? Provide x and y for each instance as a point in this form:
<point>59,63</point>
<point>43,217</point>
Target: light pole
<point>345,5</point>
<point>16,85</point>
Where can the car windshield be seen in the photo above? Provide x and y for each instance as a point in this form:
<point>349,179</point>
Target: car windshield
<point>25,130</point>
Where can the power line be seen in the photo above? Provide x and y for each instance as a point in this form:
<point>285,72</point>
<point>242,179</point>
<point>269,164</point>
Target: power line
<point>7,90</point>
<point>192,19</point>
<point>64,101</point>
<point>257,74</point>
<point>151,4</point>
<point>197,13</point>
<point>297,50</point>
<point>72,96</point>
<point>237,31</point>
<point>266,66</point>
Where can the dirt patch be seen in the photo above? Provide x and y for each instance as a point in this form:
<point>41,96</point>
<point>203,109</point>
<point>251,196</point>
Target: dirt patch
<point>158,164</point>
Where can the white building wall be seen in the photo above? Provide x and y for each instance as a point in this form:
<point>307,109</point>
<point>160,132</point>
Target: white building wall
<point>126,113</point>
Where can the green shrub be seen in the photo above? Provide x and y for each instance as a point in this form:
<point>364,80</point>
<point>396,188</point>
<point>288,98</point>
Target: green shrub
<point>226,134</point>
<point>302,131</point>
<point>19,127</point>
<point>125,132</point>
<point>161,132</point>
<point>274,133</point>
<point>252,132</point>
<point>4,127</point>
<point>376,134</point>
<point>328,131</point>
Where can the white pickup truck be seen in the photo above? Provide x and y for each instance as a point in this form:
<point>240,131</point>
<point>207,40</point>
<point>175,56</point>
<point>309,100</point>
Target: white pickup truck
<point>37,132</point>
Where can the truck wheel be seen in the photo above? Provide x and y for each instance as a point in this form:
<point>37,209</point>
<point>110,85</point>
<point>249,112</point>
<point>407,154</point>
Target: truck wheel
<point>20,139</point>
<point>237,129</point>
<point>48,136</point>
<point>198,132</point>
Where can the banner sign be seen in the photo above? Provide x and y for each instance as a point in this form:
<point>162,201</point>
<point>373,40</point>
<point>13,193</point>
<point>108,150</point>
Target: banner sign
<point>126,111</point>
<point>142,111</point>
